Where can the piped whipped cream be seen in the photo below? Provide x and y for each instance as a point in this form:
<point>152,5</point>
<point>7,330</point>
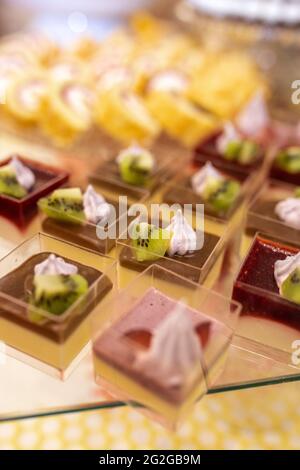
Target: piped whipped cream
<point>289,211</point>
<point>24,175</point>
<point>175,352</point>
<point>53,266</point>
<point>205,175</point>
<point>230,134</point>
<point>283,268</point>
<point>253,120</point>
<point>184,238</point>
<point>95,207</point>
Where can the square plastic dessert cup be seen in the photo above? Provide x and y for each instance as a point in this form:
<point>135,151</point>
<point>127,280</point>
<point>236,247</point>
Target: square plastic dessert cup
<point>51,343</point>
<point>101,239</point>
<point>280,174</point>
<point>227,226</point>
<point>180,191</point>
<point>107,175</point>
<point>201,266</point>
<point>270,322</point>
<point>131,317</point>
<point>22,211</point>
<point>261,216</point>
<point>208,150</point>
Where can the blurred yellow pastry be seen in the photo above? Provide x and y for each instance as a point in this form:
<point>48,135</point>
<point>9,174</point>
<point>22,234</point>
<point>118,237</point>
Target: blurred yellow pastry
<point>123,115</point>
<point>68,68</point>
<point>148,28</point>
<point>226,85</point>
<point>178,117</point>
<point>12,65</point>
<point>85,48</point>
<point>25,94</point>
<point>35,45</point>
<point>67,111</point>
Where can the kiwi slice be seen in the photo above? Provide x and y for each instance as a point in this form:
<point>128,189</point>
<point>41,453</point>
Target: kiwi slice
<point>297,192</point>
<point>136,168</point>
<point>232,150</point>
<point>289,160</point>
<point>56,293</point>
<point>290,288</point>
<point>150,242</point>
<point>243,152</point>
<point>221,194</point>
<point>9,184</point>
<point>65,205</point>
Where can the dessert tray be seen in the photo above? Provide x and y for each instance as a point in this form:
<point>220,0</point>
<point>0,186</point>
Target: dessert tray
<point>85,317</point>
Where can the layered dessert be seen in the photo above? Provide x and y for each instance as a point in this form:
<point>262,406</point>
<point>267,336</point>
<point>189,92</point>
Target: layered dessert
<point>219,191</point>
<point>177,247</point>
<point>286,165</point>
<point>85,218</point>
<point>135,168</point>
<point>159,353</point>
<point>45,304</point>
<point>239,145</point>
<point>268,287</point>
<point>22,183</point>
<point>276,211</point>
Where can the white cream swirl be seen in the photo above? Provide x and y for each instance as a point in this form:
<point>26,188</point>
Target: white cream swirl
<point>254,118</point>
<point>289,211</point>
<point>55,265</point>
<point>184,238</point>
<point>205,175</point>
<point>283,268</point>
<point>230,134</point>
<point>95,207</point>
<point>24,175</point>
<point>175,352</point>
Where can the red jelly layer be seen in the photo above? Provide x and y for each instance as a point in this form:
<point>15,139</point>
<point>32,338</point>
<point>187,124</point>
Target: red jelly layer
<point>21,211</point>
<point>256,289</point>
<point>208,150</point>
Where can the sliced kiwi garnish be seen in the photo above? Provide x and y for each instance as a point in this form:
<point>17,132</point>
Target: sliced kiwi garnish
<point>221,194</point>
<point>289,160</point>
<point>65,205</point>
<point>297,192</point>
<point>9,184</point>
<point>290,288</point>
<point>136,168</point>
<point>243,152</point>
<point>150,242</point>
<point>56,293</point>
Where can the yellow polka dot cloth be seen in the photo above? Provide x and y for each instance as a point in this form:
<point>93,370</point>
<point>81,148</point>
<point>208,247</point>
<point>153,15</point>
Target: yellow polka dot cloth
<point>264,418</point>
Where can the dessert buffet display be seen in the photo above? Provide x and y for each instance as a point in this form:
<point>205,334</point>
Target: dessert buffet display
<point>164,306</point>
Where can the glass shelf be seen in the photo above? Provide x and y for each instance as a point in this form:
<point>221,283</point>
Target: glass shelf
<point>27,392</point>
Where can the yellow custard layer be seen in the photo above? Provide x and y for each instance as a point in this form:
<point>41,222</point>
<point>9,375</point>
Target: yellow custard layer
<point>57,355</point>
<point>125,388</point>
<point>126,275</point>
